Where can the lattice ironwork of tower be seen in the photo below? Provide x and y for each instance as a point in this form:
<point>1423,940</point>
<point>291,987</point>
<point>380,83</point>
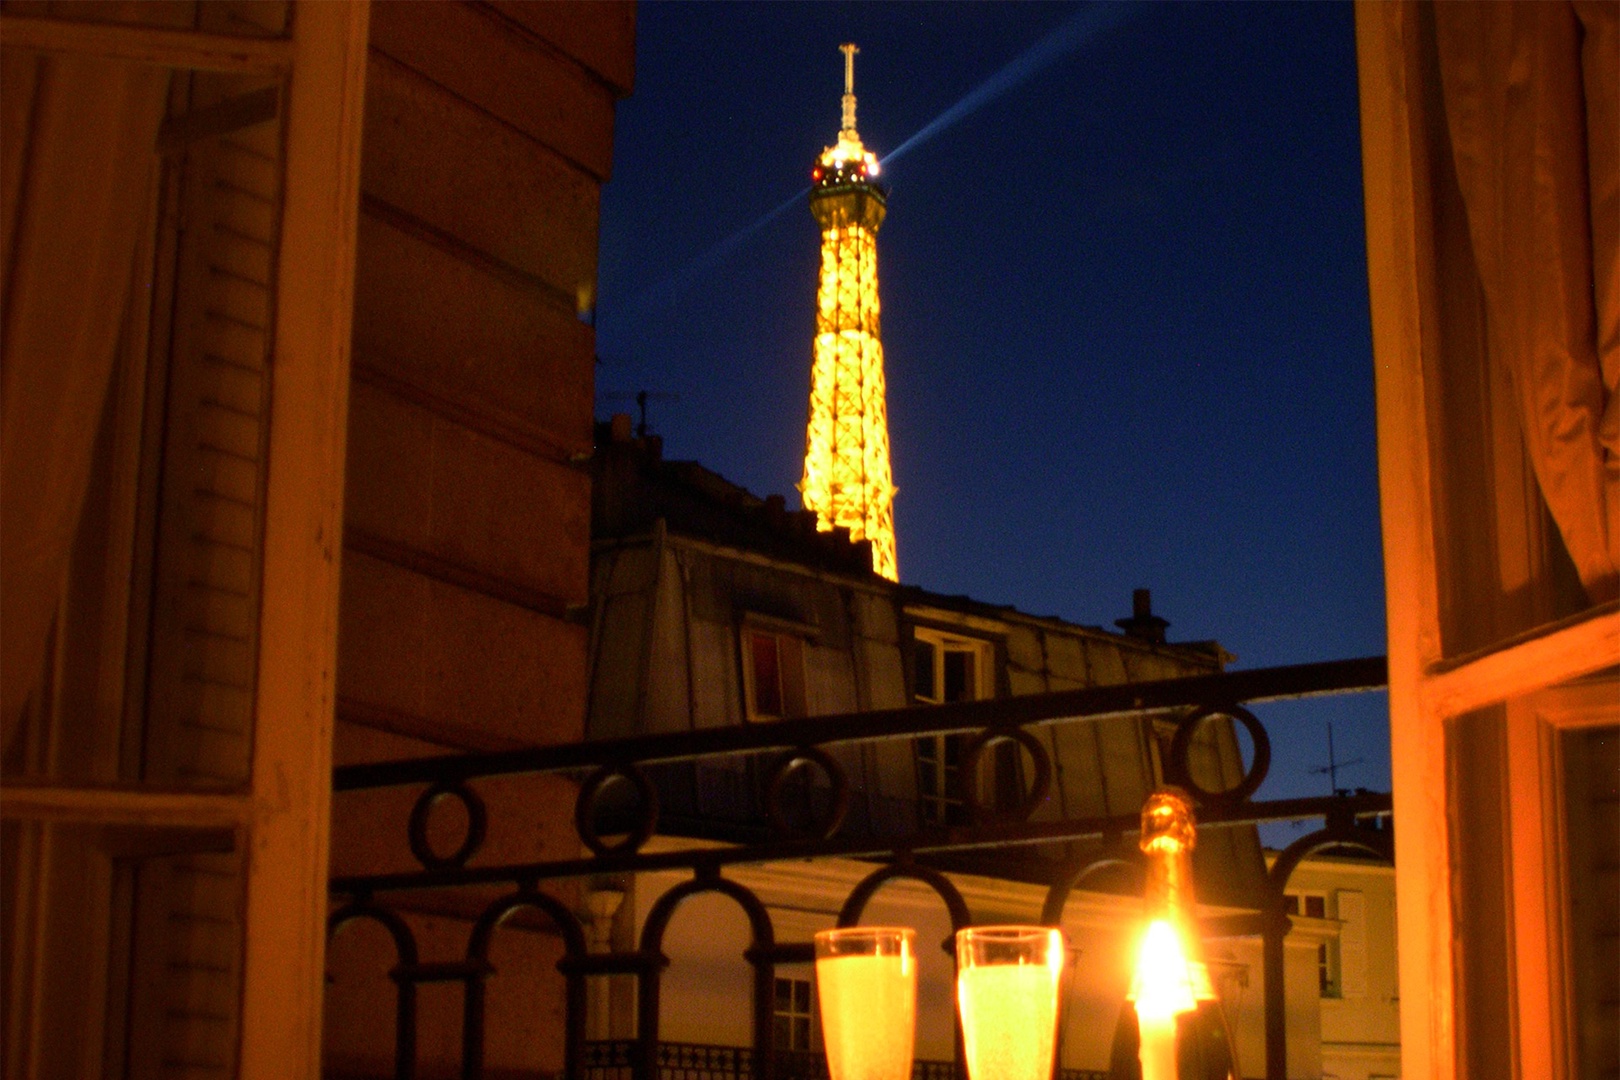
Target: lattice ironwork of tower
<point>847,481</point>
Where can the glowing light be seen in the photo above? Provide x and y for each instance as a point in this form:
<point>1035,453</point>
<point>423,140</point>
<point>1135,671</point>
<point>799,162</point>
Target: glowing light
<point>847,481</point>
<point>1083,28</point>
<point>1164,981</point>
<point>1171,977</point>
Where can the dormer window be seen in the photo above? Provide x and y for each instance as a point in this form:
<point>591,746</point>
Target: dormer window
<point>773,672</point>
<point>945,668</point>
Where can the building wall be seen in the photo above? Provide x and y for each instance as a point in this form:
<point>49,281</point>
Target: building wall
<point>670,616</point>
<point>668,621</point>
<point>1360,1015</point>
<point>466,543</point>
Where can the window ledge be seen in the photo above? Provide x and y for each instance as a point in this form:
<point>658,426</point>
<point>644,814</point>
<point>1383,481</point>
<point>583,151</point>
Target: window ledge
<point>1544,657</point>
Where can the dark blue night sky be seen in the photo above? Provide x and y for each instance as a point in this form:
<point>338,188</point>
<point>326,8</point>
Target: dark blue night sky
<point>1124,305</point>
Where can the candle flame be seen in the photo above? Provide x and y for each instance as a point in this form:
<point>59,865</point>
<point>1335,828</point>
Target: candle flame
<point>1164,979</point>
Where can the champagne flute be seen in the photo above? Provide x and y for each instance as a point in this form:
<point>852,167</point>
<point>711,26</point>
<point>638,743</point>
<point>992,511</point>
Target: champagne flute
<point>1007,988</point>
<point>867,979</point>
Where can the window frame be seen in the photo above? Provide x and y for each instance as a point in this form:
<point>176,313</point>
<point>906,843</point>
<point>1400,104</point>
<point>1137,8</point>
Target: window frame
<point>932,753</point>
<point>1296,903</point>
<point>1539,839</point>
<point>792,684</point>
<point>811,1017</point>
<point>280,818</point>
<point>1428,689</point>
<point>946,641</point>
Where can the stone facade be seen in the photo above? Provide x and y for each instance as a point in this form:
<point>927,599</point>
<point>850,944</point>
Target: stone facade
<point>488,136</point>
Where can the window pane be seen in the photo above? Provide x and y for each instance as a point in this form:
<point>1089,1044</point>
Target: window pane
<point>134,953</point>
<point>1008,763</point>
<point>1291,903</point>
<point>767,674</point>
<point>958,675</point>
<point>784,995</point>
<point>922,657</point>
<point>801,1033</point>
<point>1316,907</point>
<point>790,674</point>
<point>1592,813</point>
<point>784,1031</point>
<point>801,996</point>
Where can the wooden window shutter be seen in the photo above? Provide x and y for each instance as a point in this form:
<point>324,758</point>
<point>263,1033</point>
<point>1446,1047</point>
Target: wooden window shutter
<point>1352,908</point>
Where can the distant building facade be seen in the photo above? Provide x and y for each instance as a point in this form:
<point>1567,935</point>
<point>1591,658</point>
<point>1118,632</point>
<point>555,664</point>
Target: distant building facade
<point>712,607</point>
<point>1343,911</point>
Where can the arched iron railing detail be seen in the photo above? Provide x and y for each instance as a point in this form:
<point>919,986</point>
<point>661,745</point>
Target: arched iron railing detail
<point>477,825</point>
<point>775,792</point>
<point>905,866</point>
<point>1058,894</point>
<point>362,908</point>
<point>479,969</point>
<point>761,956</point>
<point>792,749</point>
<point>646,809</point>
<point>1341,831</point>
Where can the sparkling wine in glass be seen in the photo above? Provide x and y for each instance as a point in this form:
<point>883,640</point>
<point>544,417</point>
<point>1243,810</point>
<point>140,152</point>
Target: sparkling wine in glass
<point>867,979</point>
<point>1007,989</point>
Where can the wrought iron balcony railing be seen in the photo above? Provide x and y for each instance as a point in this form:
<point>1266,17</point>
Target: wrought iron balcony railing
<point>614,1059</point>
<point>791,748</point>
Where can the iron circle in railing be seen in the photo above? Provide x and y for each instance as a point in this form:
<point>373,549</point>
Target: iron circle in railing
<point>585,806</point>
<point>1179,768</point>
<point>1072,879</point>
<point>838,804</point>
<point>477,825</point>
<point>1028,801</point>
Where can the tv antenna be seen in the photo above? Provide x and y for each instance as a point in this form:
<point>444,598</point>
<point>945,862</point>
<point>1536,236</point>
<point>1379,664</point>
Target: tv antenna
<point>1331,769</point>
<point>641,397</point>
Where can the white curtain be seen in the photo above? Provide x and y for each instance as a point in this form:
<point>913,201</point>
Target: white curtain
<point>1533,111</point>
<point>77,162</point>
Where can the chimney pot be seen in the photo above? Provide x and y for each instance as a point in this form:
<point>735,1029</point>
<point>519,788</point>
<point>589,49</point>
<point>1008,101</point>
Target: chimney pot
<point>1143,623</point>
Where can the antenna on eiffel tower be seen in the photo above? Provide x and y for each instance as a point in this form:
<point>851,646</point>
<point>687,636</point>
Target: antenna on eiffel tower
<point>1331,769</point>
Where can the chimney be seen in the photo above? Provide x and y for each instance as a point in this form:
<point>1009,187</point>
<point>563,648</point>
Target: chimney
<point>1143,624</point>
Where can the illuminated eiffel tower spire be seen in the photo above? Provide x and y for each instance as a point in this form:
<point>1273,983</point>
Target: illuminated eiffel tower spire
<point>847,481</point>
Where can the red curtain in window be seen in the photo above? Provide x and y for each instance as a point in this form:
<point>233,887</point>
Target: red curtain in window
<point>1533,112</point>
